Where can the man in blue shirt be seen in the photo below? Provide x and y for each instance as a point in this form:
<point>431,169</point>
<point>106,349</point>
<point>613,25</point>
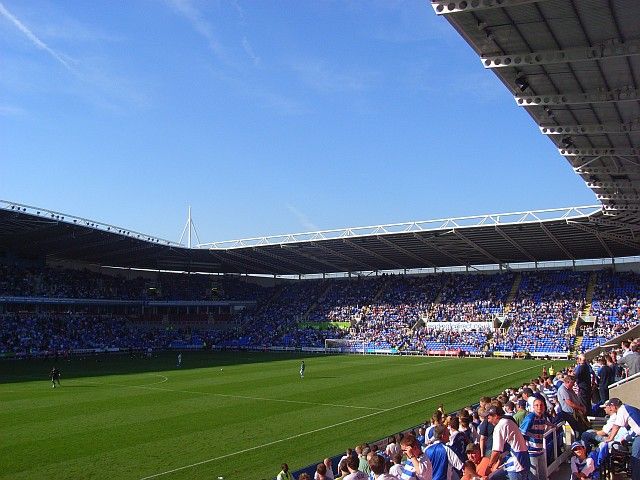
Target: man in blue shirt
<point>443,459</point>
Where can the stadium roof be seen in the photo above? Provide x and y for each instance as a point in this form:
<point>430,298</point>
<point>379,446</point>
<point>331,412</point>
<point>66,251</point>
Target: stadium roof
<point>559,234</point>
<point>574,66</point>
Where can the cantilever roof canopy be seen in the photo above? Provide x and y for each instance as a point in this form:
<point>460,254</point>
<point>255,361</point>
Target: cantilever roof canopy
<point>558,234</point>
<point>575,67</point>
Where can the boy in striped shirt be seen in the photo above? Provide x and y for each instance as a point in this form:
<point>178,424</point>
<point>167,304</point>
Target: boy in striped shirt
<point>533,427</point>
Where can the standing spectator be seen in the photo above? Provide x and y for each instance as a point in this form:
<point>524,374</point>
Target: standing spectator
<point>605,378</point>
<point>443,459</point>
<point>631,360</point>
<point>417,466</point>
<point>521,411</point>
<point>570,406</point>
<point>377,465</point>
<point>354,473</point>
<point>508,440</point>
<point>533,427</point>
<point>583,374</point>
<point>396,468</point>
<point>392,447</point>
<point>628,417</point>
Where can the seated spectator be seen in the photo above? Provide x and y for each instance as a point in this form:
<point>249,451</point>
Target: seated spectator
<point>582,467</point>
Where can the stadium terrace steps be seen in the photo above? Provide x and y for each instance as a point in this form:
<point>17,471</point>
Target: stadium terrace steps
<point>577,343</point>
<point>591,288</point>
<point>512,293</point>
<point>317,302</point>
<point>381,291</point>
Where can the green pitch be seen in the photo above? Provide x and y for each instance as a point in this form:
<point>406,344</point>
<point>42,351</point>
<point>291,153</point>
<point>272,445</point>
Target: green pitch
<point>231,415</point>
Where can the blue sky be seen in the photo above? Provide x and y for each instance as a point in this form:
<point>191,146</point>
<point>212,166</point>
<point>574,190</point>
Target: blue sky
<point>267,117</point>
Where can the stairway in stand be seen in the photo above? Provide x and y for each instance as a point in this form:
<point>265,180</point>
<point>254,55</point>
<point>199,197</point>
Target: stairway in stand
<point>317,302</point>
<point>512,294</point>
<point>586,311</point>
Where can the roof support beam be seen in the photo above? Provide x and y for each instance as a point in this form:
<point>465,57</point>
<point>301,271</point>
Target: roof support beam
<point>406,252</point>
<point>447,7</point>
<point>590,129</point>
<point>589,170</point>
<point>619,197</point>
<point>313,258</point>
<point>477,247</point>
<point>609,235</point>
<point>281,259</point>
<point>242,267</point>
<point>627,94</point>
<point>596,234</point>
<point>441,251</point>
<point>349,259</point>
<point>611,49</point>
<point>520,248</point>
<point>247,258</point>
<point>616,224</point>
<point>371,252</point>
<point>553,238</point>
<point>621,184</point>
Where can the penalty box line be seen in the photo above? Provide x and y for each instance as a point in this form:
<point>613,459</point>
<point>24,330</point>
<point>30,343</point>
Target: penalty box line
<point>293,437</point>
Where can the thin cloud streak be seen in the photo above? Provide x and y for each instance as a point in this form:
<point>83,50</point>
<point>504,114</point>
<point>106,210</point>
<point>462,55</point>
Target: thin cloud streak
<point>302,218</point>
<point>249,51</point>
<point>31,36</point>
<point>199,24</point>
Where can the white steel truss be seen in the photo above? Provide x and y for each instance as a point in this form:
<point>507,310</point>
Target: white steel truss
<point>533,216</point>
<point>609,49</point>
<point>446,7</point>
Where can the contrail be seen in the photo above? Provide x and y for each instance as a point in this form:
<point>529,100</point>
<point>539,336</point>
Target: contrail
<point>31,36</point>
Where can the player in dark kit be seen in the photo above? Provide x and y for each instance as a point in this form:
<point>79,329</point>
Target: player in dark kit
<point>55,377</point>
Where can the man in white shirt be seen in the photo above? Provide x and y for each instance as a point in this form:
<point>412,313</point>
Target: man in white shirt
<point>629,417</point>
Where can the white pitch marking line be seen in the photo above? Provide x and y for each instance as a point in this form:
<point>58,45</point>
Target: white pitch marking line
<point>252,398</point>
<point>257,447</point>
<point>433,363</point>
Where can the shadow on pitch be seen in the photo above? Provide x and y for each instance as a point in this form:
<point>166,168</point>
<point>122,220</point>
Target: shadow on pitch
<point>37,369</point>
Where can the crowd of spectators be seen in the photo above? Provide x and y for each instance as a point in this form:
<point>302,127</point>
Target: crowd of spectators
<point>54,282</point>
<point>538,319</point>
<point>385,312</point>
<point>615,307</point>
<point>499,437</point>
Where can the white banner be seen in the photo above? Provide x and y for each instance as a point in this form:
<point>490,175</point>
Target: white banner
<point>460,326</point>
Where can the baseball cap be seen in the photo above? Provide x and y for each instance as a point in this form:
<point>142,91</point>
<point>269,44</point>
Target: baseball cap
<point>493,410</point>
<point>612,401</point>
<point>575,445</point>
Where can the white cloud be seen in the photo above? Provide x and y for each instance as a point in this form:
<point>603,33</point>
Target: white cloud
<point>33,38</point>
<point>188,11</point>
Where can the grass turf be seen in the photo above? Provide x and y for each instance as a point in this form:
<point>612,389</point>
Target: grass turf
<point>119,417</point>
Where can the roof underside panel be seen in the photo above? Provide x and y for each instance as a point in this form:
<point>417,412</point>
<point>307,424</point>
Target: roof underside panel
<point>575,67</point>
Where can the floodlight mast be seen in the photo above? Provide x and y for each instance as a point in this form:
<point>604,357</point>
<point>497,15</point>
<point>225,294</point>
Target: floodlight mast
<point>187,229</point>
